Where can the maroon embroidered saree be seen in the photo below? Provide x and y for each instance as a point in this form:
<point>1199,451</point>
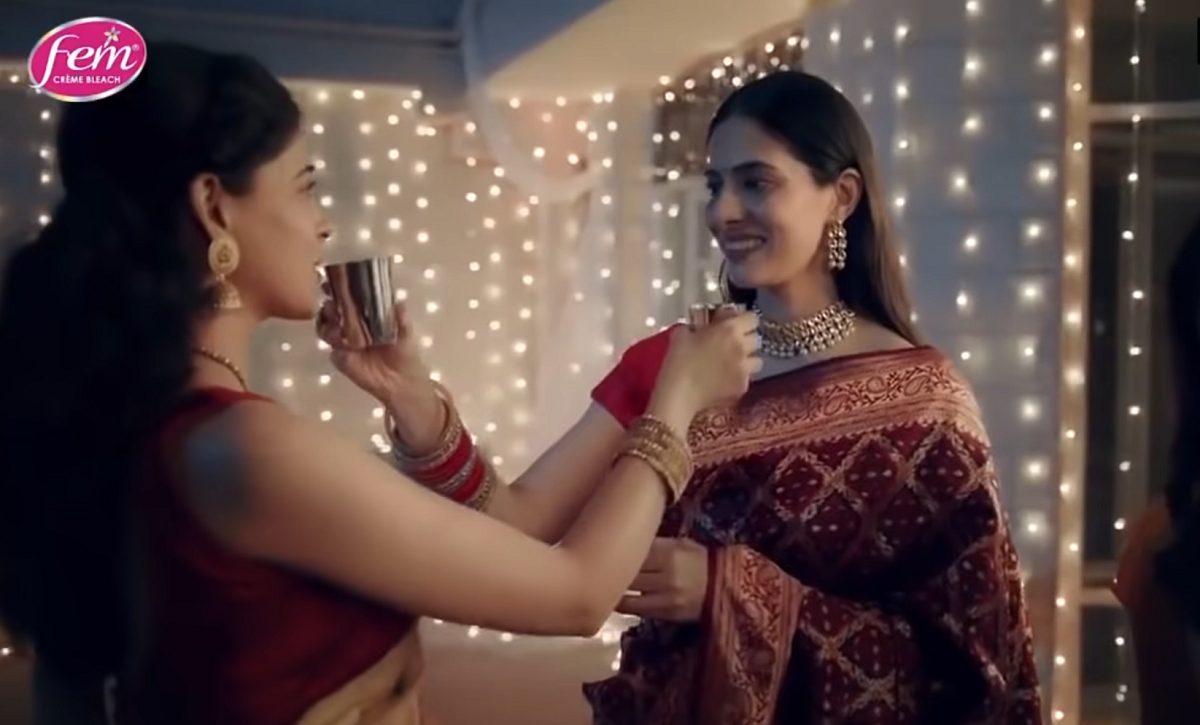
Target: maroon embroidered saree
<point>862,572</point>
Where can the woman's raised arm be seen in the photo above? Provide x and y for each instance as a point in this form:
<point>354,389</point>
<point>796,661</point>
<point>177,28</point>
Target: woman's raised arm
<point>545,499</point>
<point>280,488</point>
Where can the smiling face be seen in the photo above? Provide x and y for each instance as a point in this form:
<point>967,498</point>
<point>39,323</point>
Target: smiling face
<point>765,209</point>
<point>279,229</point>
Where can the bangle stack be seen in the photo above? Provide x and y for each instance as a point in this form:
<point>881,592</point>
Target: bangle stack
<point>455,468</point>
<point>658,445</point>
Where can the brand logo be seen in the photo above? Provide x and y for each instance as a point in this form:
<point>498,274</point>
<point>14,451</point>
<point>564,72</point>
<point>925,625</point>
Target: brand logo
<point>87,59</point>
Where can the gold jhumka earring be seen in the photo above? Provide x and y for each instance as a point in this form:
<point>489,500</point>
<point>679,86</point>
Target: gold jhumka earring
<point>223,258</point>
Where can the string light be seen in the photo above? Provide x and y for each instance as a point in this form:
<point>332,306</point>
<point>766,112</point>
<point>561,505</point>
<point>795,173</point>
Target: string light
<point>1065,701</point>
<point>686,104</point>
<point>1133,372</point>
<point>681,271</point>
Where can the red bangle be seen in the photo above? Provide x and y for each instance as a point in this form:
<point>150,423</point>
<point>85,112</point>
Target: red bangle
<point>454,463</point>
<point>463,493</point>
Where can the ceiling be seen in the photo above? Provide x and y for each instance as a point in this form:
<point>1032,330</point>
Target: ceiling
<point>622,43</point>
<point>432,16</point>
<point>526,47</point>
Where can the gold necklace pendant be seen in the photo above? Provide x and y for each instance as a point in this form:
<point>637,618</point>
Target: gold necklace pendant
<point>223,362</point>
<point>807,335</point>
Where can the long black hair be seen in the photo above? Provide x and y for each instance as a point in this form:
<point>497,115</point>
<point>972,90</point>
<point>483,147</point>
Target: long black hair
<point>822,129</point>
<point>96,320</point>
<point>1178,566</point>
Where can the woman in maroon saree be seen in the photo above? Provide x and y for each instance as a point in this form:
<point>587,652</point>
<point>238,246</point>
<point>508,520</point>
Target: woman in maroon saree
<point>860,568</point>
<point>841,557</point>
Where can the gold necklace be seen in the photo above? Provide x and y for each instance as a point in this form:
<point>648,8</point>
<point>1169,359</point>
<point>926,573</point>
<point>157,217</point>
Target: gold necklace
<point>807,335</point>
<point>223,362</point>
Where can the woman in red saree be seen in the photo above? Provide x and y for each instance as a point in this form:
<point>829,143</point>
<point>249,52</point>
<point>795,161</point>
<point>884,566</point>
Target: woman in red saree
<point>842,558</point>
<point>860,569</point>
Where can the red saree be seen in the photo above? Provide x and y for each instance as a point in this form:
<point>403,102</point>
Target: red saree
<point>861,570</point>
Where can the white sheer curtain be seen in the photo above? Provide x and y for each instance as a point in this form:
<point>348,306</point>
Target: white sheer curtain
<point>517,163</point>
<point>574,348</point>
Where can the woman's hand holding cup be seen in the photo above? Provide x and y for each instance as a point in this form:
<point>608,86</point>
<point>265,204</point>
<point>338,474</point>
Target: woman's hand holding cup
<point>707,364</point>
<point>393,373</point>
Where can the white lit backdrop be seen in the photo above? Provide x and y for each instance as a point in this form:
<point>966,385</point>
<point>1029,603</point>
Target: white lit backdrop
<point>484,265</point>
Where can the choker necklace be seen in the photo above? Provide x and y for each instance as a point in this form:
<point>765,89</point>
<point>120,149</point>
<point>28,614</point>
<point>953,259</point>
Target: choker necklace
<point>223,362</point>
<point>806,335</point>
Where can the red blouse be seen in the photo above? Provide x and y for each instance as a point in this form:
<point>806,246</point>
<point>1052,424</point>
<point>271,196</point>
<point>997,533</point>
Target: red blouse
<point>230,640</point>
<point>625,391</point>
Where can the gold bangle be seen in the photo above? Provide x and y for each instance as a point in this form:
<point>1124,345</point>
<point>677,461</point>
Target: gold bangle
<point>660,447</point>
<point>675,446</point>
<point>670,484</point>
<point>657,429</point>
<point>673,464</point>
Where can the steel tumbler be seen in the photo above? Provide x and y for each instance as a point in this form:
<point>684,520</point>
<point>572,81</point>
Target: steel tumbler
<point>363,295</point>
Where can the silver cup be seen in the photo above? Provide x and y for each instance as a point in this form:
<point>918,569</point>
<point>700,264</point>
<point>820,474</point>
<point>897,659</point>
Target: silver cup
<point>362,292</point>
<point>701,314</point>
<point>698,315</point>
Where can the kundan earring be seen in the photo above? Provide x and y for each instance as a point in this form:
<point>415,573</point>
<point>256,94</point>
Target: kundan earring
<point>223,258</point>
<point>835,244</point>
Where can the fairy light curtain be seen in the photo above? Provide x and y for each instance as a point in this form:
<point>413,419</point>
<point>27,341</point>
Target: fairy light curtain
<point>577,204</point>
<point>682,257</point>
<point>686,104</point>
<point>475,256</point>
<point>1135,143</point>
<point>488,269</point>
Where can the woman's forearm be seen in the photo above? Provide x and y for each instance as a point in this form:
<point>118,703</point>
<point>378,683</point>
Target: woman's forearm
<point>418,418</point>
<point>543,504</point>
<point>418,421</point>
<point>544,500</point>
